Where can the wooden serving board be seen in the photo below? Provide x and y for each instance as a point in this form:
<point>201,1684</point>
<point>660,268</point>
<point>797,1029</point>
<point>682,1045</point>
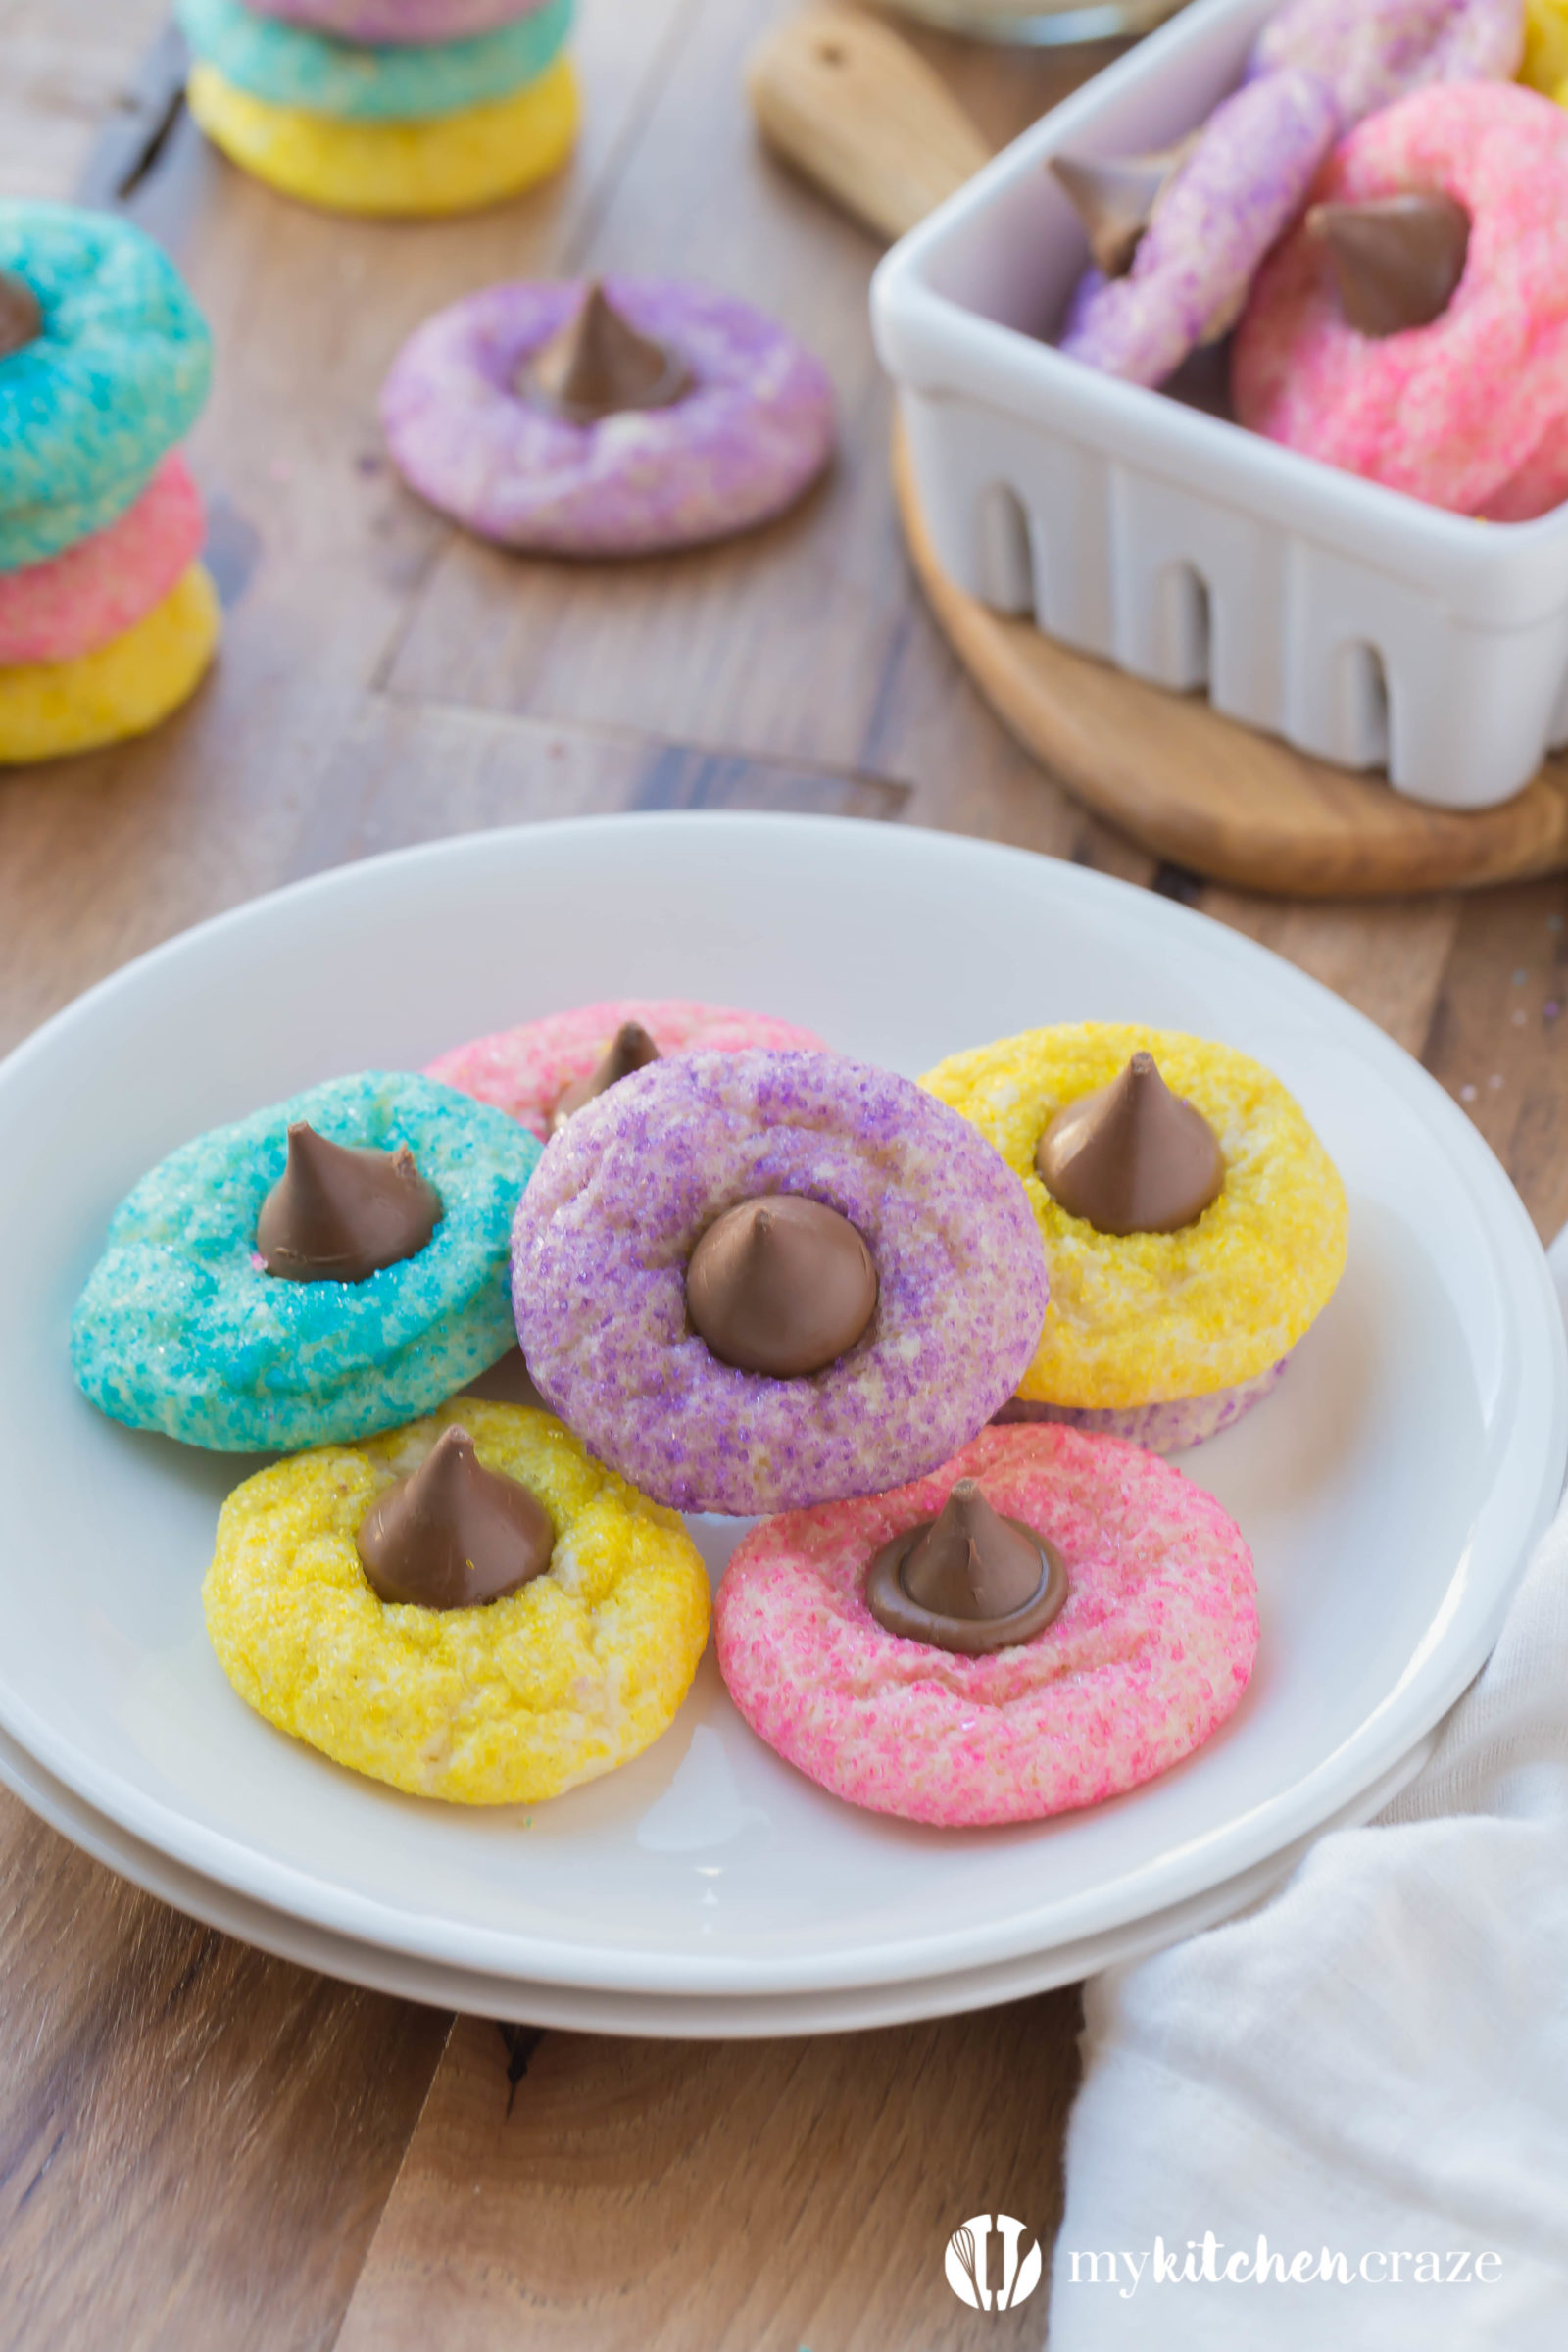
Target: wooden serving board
<point>855,109</point>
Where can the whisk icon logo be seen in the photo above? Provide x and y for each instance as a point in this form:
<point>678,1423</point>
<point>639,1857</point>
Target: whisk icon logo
<point>972,2266</point>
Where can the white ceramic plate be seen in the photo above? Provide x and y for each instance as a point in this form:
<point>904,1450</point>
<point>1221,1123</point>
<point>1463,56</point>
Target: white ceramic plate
<point>1390,1491</point>
<point>667,2017</point>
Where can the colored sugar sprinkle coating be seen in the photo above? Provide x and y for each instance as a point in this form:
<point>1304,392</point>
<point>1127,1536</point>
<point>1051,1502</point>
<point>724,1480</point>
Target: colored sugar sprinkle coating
<point>629,1185</point>
<point>525,1071</point>
<point>394,171</point>
<point>180,1328</point>
<point>739,447</point>
<point>1243,183</point>
<point>415,22</point>
<point>117,378</point>
<point>1371,52</point>
<point>51,709</point>
<point>1469,413</point>
<point>284,65</point>
<point>551,1685</point>
<point>1151,1652</point>
<point>1168,1428</point>
<point>1145,1317</point>
<point>82,600</point>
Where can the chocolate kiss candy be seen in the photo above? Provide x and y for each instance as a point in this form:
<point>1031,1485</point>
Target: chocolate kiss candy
<point>1396,259</point>
<point>631,1048</point>
<point>454,1535</point>
<point>1114,197</point>
<point>781,1285</point>
<point>969,1562</point>
<point>598,365</point>
<point>1132,1156</point>
<point>968,1581</point>
<point>338,1213</point>
<point>21,314</point>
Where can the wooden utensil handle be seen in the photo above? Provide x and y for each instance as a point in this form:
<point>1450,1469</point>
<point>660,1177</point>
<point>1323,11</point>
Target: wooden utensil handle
<point>865,119</point>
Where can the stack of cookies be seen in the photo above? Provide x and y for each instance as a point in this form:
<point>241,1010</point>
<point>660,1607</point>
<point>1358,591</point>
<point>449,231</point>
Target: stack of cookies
<point>389,107</point>
<point>107,619</point>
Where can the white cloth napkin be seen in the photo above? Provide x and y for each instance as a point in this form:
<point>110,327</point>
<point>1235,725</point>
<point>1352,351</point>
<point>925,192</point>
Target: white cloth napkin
<point>1373,2063</point>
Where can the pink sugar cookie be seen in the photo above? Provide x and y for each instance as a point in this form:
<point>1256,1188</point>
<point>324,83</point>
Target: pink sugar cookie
<point>1540,484</point>
<point>408,23</point>
<point>1446,412</point>
<point>1151,1652</point>
<point>80,601</point>
<point>525,1071</point>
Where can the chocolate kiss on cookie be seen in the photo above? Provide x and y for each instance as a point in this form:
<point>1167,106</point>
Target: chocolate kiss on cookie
<point>967,1581</point>
<point>21,314</point>
<point>1132,1156</point>
<point>782,1285</point>
<point>631,1048</point>
<point>599,365</point>
<point>339,1213</point>
<point>454,1535</point>
<point>1114,197</point>
<point>1397,260</point>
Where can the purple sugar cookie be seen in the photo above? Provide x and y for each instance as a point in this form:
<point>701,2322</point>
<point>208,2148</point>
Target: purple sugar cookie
<point>415,23</point>
<point>1168,1426</point>
<point>753,430</point>
<point>1151,1652</point>
<point>1243,185</point>
<point>630,1185</point>
<point>1370,52</point>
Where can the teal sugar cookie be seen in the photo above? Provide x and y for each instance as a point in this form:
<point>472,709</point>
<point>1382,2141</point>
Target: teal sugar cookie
<point>114,376</point>
<point>352,81</point>
<point>181,1329</point>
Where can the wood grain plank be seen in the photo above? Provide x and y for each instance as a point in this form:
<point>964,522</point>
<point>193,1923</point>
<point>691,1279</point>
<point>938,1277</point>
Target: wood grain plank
<point>968,774</point>
<point>195,2140</point>
<point>1386,957</point>
<point>641,2196</point>
<point>318,548</point>
<point>71,67</point>
<point>100,860</point>
<point>782,643</point>
<point>1499,1037</point>
<point>459,772</point>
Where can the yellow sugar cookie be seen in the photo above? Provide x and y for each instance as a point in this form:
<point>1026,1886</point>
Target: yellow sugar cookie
<point>1142,1317</point>
<point>447,164</point>
<point>559,1682</point>
<point>1545,60</point>
<point>48,708</point>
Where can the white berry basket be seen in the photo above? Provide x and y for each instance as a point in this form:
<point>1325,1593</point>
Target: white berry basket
<point>1357,624</point>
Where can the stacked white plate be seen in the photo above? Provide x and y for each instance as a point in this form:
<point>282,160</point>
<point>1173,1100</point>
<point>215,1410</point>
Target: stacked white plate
<point>1390,1490</point>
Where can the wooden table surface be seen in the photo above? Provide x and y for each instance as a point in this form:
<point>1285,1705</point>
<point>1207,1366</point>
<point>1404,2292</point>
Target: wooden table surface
<point>203,2147</point>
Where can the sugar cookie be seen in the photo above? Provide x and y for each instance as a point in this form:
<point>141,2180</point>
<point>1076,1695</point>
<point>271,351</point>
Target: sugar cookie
<point>507,1703</point>
<point>50,709</point>
<point>1151,1652</point>
<point>628,1194</point>
<point>451,165</point>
